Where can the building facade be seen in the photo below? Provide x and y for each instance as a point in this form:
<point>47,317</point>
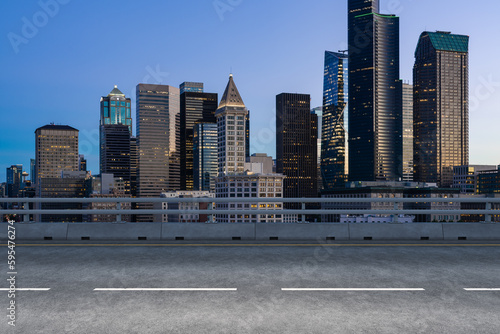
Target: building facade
<point>375,115</point>
<point>390,190</point>
<point>189,217</point>
<point>465,177</point>
<point>232,121</point>
<point>14,180</point>
<point>56,150</point>
<point>250,184</point>
<point>158,163</point>
<point>334,163</point>
<point>116,109</point>
<point>407,132</point>
<point>196,107</point>
<point>205,156</point>
<point>441,106</point>
<point>115,152</point>
<point>296,145</point>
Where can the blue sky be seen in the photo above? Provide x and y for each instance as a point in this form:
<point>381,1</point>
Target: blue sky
<point>76,51</point>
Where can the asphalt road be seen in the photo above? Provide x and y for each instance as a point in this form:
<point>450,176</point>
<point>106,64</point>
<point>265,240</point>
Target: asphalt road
<point>423,289</point>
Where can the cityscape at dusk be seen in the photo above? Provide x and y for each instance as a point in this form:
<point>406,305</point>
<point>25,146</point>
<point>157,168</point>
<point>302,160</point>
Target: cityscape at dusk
<point>235,166</point>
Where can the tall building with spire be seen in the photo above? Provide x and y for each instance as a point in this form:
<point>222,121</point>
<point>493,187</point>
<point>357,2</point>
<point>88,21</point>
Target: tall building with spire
<point>441,106</point>
<point>232,116</point>
<point>375,113</point>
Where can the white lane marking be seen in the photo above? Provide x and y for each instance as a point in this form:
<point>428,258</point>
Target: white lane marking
<point>352,289</point>
<point>481,289</point>
<point>165,289</point>
<point>26,289</point>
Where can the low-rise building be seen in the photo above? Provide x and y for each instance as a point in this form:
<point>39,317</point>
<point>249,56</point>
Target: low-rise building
<point>189,216</point>
<point>257,182</point>
<point>465,177</point>
<point>391,190</point>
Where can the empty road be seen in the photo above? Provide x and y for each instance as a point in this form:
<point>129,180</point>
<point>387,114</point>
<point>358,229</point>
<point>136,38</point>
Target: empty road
<point>290,288</point>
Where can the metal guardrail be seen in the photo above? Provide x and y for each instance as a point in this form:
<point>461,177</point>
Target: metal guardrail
<point>118,211</point>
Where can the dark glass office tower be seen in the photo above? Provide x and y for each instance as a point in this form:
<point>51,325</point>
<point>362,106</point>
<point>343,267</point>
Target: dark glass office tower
<point>333,134</point>
<point>441,106</point>
<point>115,152</point>
<point>205,161</point>
<point>14,180</point>
<point>157,110</point>
<point>195,106</point>
<point>375,113</point>
<point>296,141</point>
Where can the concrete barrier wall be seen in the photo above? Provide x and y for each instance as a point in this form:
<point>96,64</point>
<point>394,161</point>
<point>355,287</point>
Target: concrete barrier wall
<point>193,231</point>
<point>471,231</point>
<point>396,231</point>
<point>37,231</point>
<point>302,231</point>
<point>251,231</point>
<point>114,231</point>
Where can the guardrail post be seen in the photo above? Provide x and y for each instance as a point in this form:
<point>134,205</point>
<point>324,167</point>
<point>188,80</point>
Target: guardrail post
<point>26,217</point>
<point>211,216</point>
<point>396,214</point>
<point>118,216</point>
<point>303,215</point>
<point>487,217</point>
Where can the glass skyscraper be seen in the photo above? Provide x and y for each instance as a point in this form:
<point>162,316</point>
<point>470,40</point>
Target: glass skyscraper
<point>441,106</point>
<point>158,170</point>
<point>115,109</point>
<point>375,115</point>
<point>407,132</point>
<point>195,106</point>
<point>115,152</point>
<point>333,130</point>
<point>205,156</point>
<point>296,145</point>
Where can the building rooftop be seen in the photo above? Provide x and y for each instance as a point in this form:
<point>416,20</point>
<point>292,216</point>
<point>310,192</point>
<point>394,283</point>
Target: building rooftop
<point>446,41</point>
<point>56,127</point>
<point>116,92</point>
<point>231,96</point>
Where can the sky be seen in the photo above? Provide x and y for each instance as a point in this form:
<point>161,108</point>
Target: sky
<point>58,57</point>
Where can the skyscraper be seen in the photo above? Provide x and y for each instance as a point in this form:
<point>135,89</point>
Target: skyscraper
<point>375,120</point>
<point>115,152</point>
<point>296,141</point>
<point>232,120</point>
<point>205,156</point>
<point>134,161</point>
<point>14,180</point>
<point>333,142</point>
<point>196,106</point>
<point>407,132</point>
<point>157,109</point>
<point>441,106</point>
<point>115,109</point>
<point>56,150</point>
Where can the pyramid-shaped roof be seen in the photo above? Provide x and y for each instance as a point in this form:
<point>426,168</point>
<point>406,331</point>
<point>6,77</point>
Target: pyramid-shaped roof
<point>115,92</point>
<point>231,96</point>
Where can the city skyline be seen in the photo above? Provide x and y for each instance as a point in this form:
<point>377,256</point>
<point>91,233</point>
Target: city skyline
<point>55,72</point>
